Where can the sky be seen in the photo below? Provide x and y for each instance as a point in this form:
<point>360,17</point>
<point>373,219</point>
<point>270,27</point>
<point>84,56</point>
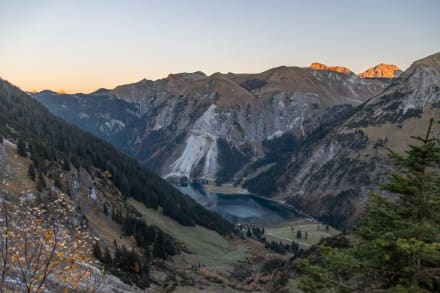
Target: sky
<point>80,46</point>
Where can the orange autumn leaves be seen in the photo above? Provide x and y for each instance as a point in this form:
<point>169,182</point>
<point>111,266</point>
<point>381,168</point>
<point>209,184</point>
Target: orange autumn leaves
<point>42,252</point>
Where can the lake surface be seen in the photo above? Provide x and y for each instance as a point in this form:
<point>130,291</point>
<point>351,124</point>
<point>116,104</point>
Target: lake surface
<point>240,208</point>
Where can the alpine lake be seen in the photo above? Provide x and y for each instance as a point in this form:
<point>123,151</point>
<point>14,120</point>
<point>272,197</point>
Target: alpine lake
<point>239,208</point>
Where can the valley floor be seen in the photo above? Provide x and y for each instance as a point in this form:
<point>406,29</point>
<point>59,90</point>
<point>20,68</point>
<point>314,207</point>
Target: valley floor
<point>212,262</point>
<point>286,232</point>
<point>226,188</point>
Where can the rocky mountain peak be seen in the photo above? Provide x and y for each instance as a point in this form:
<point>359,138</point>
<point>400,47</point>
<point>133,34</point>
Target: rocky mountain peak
<point>420,82</point>
<point>189,76</point>
<point>432,61</point>
<point>47,92</point>
<point>381,71</point>
<point>101,91</point>
<point>320,66</point>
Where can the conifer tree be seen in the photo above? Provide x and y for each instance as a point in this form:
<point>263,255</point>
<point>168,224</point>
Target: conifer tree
<point>31,172</point>
<point>398,244</point>
<point>21,148</point>
<point>97,251</point>
<point>107,260</point>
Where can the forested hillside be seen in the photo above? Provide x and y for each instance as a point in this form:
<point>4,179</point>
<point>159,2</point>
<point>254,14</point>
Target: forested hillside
<point>51,138</point>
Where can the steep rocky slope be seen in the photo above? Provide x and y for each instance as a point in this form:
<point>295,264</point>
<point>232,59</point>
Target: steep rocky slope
<point>76,216</point>
<point>211,127</point>
<point>331,178</point>
<point>79,182</point>
<point>52,138</point>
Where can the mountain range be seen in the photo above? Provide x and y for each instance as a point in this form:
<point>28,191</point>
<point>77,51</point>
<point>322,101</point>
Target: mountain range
<point>173,125</point>
<point>332,177</point>
<point>313,139</point>
<point>245,129</point>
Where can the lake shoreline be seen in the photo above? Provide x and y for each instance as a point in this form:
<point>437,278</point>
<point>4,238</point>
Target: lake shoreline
<point>239,208</point>
<point>230,189</point>
<point>226,189</point>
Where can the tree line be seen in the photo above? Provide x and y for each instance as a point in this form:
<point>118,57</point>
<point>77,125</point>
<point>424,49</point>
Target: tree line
<point>52,139</point>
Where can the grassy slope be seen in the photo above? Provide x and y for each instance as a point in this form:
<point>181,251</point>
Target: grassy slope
<point>205,246</point>
<point>285,234</point>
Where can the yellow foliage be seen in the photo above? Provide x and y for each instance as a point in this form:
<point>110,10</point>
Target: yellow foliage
<point>14,258</point>
<point>47,234</point>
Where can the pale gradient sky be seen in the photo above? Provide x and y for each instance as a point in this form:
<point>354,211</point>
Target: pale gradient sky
<point>79,46</point>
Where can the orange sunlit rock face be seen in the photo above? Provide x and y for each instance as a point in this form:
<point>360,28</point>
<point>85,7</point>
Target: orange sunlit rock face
<point>381,71</point>
<point>320,66</point>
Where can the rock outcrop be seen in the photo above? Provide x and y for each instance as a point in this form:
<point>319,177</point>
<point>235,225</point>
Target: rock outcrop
<point>320,66</point>
<point>381,71</point>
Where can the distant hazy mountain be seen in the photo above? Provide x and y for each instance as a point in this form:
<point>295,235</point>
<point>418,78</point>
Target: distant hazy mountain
<point>99,112</point>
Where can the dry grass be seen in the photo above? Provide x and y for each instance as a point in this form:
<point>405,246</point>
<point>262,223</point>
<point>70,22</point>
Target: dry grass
<point>285,234</point>
<point>18,182</point>
<point>205,246</point>
<point>398,138</point>
<point>227,188</point>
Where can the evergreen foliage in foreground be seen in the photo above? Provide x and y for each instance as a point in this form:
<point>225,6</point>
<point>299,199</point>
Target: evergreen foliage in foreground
<point>397,247</point>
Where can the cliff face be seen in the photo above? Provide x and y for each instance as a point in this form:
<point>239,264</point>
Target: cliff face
<point>320,66</point>
<point>332,178</point>
<point>190,124</point>
<point>381,71</point>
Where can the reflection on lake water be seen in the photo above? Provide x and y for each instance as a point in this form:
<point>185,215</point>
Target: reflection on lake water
<point>240,208</point>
